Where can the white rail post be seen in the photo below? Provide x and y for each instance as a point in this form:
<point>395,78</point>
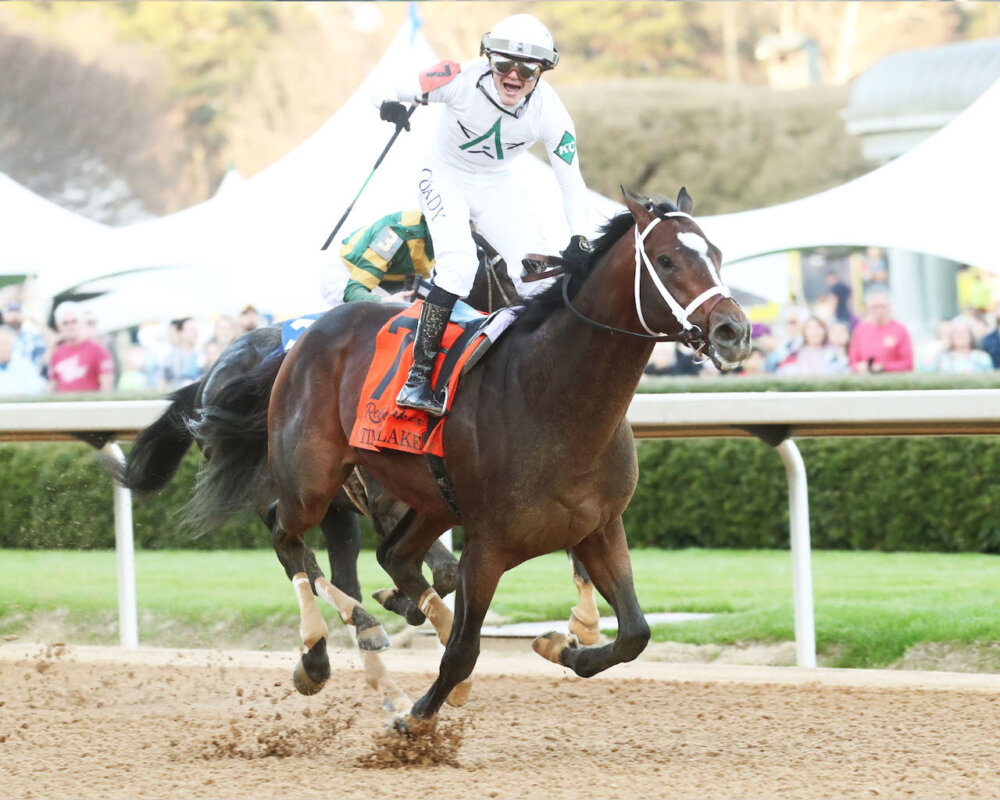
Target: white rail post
<point>798,514</point>
<point>128,626</point>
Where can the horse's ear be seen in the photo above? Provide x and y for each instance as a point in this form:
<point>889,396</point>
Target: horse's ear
<point>684,201</point>
<point>638,206</point>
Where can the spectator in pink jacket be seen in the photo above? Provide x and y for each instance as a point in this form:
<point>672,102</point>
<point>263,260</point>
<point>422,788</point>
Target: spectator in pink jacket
<point>880,343</point>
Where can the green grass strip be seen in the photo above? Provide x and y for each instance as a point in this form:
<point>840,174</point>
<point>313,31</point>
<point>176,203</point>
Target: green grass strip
<point>870,607</point>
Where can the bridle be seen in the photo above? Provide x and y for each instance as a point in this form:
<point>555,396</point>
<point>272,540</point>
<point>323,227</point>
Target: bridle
<point>690,334</point>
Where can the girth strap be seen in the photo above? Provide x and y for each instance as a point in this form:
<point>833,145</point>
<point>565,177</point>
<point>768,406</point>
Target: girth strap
<point>442,480</point>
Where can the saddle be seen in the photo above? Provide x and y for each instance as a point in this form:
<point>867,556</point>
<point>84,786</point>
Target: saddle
<point>380,424</point>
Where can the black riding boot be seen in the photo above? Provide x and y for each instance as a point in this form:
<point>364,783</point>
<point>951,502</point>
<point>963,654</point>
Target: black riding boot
<point>416,392</point>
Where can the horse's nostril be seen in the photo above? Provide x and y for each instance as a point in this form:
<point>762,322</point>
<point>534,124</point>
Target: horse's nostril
<point>724,334</point>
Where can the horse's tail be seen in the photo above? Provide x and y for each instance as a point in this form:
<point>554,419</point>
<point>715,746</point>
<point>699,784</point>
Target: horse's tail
<point>232,432</point>
<point>158,450</point>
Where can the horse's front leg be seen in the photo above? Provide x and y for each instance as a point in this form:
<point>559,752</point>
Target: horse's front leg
<point>400,554</point>
<point>605,556</point>
<point>388,514</point>
<point>478,576</point>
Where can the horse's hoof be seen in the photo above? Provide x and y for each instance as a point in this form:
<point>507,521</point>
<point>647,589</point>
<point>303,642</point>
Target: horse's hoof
<point>371,635</point>
<point>400,723</point>
<point>303,683</point>
<point>313,670</point>
<point>551,645</point>
<point>587,631</point>
<point>459,696</point>
<point>373,640</point>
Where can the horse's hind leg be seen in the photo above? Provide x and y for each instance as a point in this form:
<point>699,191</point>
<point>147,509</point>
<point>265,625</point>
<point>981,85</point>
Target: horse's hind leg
<point>288,519</point>
<point>443,566</point>
<point>584,621</point>
<point>605,556</point>
<point>299,562</point>
<point>342,536</point>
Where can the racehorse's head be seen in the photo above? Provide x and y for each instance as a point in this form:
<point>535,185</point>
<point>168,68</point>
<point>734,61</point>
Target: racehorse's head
<point>678,287</point>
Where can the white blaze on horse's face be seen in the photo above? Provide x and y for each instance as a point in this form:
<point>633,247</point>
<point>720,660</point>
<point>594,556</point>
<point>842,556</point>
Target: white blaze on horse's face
<point>697,243</point>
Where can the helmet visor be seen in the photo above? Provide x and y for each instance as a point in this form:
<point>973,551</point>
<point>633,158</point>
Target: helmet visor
<point>528,70</point>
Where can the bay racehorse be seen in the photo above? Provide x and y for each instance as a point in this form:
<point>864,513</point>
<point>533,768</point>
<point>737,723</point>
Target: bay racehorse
<point>155,456</point>
<point>537,442</point>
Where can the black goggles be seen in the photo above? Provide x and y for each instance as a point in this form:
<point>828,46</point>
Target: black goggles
<point>528,70</point>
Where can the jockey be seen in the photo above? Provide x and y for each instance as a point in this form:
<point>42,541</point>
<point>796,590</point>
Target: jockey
<point>495,108</point>
<point>387,252</point>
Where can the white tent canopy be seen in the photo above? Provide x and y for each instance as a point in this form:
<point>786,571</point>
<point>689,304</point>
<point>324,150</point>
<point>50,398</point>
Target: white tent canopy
<point>258,240</point>
<point>940,198</point>
<point>263,234</point>
<point>38,234</point>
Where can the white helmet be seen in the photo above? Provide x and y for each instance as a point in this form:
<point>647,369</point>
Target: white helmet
<point>521,36</point>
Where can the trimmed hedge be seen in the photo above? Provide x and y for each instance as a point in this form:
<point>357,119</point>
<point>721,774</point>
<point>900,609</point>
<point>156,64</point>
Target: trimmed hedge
<point>59,496</point>
<point>932,494</point>
<point>917,494</point>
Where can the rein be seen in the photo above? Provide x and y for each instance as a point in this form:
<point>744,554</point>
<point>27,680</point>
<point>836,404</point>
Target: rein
<point>493,277</point>
<point>689,334</point>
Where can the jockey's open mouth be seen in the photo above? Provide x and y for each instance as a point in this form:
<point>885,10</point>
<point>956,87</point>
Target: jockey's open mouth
<point>511,86</point>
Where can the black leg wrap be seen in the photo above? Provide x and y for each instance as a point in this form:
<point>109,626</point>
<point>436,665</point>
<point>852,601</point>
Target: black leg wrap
<point>395,601</point>
<point>445,577</point>
<point>313,669</point>
<point>569,652</point>
<point>371,636</point>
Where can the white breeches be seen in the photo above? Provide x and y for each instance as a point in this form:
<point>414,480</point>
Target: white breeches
<point>495,203</point>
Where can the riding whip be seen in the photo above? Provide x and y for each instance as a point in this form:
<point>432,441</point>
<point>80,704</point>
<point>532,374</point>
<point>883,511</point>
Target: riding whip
<point>392,140</point>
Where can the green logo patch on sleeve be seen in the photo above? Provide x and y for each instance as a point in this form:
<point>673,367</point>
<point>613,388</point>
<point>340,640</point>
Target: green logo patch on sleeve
<point>567,148</point>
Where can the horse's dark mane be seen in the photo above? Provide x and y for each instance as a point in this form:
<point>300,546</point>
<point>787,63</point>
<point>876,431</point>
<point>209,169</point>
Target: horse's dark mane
<point>540,307</point>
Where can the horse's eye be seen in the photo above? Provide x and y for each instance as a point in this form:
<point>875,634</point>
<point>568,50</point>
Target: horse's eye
<point>664,261</point>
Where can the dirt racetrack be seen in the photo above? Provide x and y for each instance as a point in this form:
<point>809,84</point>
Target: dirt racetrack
<point>103,722</point>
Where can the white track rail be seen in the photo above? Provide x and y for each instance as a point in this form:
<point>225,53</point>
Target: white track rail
<point>775,417</point>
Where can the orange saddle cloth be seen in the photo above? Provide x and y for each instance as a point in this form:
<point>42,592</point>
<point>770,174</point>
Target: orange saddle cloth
<point>380,424</point>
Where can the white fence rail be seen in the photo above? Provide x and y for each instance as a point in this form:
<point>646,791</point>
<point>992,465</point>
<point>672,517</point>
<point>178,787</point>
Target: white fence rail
<point>775,417</point>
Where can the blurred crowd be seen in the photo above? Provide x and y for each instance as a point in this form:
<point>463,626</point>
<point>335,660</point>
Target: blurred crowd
<point>70,354</point>
<point>832,336</point>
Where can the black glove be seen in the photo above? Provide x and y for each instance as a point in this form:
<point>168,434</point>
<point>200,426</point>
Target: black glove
<point>395,112</point>
<point>577,252</point>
